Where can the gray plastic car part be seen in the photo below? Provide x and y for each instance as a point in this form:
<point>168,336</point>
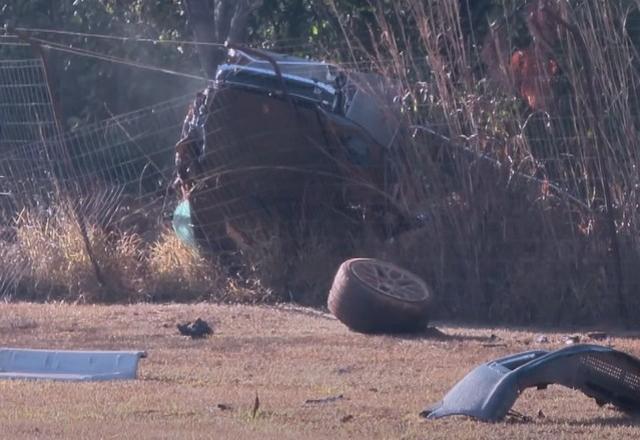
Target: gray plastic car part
<point>489,391</point>
<point>17,363</point>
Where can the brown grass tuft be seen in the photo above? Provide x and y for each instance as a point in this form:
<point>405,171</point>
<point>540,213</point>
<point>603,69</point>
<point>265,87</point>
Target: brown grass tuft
<point>59,266</point>
<point>177,272</point>
<point>49,260</point>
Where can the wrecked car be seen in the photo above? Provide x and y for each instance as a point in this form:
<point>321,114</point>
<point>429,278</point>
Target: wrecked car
<point>274,136</point>
<point>489,391</point>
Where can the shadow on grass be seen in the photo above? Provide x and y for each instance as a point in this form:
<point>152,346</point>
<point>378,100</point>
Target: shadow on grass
<point>435,334</point>
<point>620,419</point>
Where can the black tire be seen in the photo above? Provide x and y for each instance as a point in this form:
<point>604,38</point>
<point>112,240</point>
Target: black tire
<point>373,296</point>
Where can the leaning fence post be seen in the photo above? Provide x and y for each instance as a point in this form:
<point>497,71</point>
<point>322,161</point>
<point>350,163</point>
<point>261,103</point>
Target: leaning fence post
<point>64,151</point>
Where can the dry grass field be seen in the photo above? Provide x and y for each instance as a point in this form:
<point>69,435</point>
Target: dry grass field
<point>292,359</point>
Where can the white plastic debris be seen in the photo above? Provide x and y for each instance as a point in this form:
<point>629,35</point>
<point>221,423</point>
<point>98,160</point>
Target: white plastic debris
<point>16,363</point>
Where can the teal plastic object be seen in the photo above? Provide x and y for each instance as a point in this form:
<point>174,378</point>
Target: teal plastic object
<point>183,224</point>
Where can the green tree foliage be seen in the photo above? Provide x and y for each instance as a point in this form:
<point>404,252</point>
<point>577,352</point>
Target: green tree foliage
<point>310,27</point>
<point>91,89</point>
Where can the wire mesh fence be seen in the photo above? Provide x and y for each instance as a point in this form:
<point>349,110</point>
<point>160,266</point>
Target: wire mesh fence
<point>81,182</point>
<point>27,117</point>
<point>132,151</point>
<point>26,110</point>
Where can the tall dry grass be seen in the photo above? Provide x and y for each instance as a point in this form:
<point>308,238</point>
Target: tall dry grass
<point>59,265</point>
<point>176,272</point>
<point>531,215</point>
<point>46,258</point>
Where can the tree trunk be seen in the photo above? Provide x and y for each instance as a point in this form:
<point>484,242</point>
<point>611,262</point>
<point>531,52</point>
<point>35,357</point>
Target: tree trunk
<point>217,22</point>
<point>238,27</point>
<point>201,22</point>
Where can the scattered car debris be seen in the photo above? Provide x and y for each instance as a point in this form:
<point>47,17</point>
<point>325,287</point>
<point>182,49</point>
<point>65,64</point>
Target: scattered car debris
<point>542,339</point>
<point>573,339</point>
<point>68,365</point>
<point>325,400</point>
<point>373,296</point>
<point>344,370</point>
<point>197,329</point>
<point>494,344</point>
<point>517,417</point>
<point>489,391</point>
<point>256,406</point>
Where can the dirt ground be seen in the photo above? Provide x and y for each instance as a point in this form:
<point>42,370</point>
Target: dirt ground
<point>373,386</point>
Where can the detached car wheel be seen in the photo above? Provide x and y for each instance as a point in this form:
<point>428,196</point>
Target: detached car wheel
<point>373,296</point>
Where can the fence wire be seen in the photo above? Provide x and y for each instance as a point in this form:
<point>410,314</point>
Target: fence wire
<point>26,111</point>
<point>132,152</point>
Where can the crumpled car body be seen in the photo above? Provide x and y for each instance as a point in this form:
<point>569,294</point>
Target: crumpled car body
<point>489,391</point>
<point>274,135</point>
